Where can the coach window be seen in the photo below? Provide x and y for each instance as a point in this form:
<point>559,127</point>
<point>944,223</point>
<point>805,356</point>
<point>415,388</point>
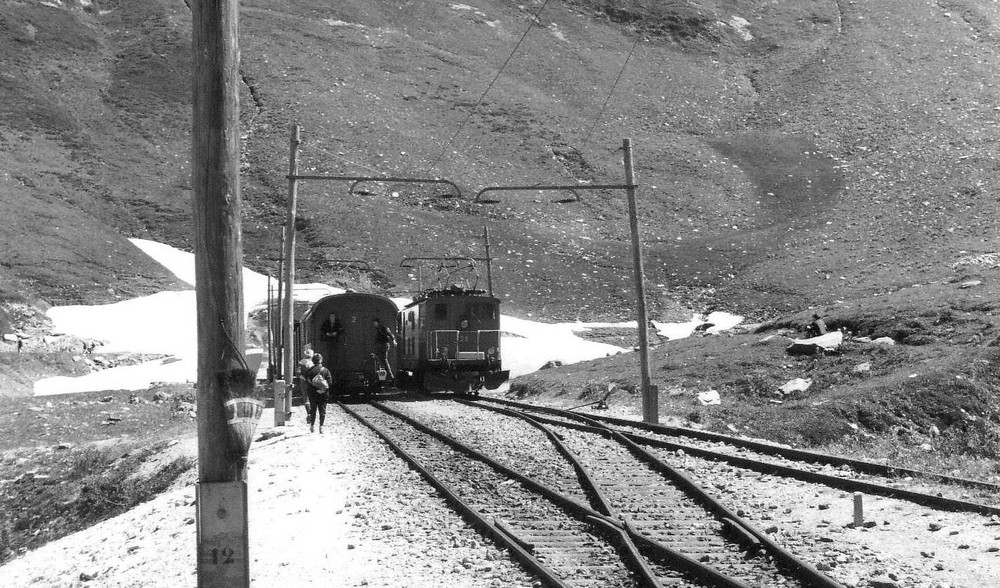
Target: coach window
<point>441,311</point>
<point>410,316</point>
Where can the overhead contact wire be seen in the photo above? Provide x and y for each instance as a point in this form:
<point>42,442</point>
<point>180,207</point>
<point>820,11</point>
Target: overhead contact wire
<point>485,92</point>
<point>611,93</point>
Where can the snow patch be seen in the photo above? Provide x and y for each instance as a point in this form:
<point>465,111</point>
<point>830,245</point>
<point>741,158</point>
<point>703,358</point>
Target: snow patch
<point>166,324</point>
<point>534,344</point>
<point>719,321</point>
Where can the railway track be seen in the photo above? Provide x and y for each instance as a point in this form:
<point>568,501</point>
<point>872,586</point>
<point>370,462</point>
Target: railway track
<point>663,528</point>
<point>832,471</point>
<point>560,549</point>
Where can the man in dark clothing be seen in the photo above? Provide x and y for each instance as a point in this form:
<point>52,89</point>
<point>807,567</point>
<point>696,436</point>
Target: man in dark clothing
<point>331,327</point>
<point>384,338</point>
<point>318,393</point>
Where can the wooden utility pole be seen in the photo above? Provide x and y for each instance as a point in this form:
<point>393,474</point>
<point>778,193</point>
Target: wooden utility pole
<point>223,558</point>
<point>650,395</point>
<point>288,311</point>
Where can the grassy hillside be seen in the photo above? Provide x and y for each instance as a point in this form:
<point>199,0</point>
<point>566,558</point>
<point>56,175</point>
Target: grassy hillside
<point>791,154</point>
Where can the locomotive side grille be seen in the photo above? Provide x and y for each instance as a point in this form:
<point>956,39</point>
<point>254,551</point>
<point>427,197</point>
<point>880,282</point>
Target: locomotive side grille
<point>463,345</point>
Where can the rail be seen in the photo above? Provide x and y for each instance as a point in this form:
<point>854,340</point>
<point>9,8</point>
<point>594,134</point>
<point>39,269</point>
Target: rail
<point>933,500</point>
<point>747,533</point>
<point>613,525</point>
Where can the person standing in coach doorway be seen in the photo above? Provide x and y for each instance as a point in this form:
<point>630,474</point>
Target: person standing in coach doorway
<point>384,339</point>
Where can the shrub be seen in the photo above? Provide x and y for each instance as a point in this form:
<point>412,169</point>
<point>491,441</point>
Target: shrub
<point>978,438</point>
<point>524,389</point>
<point>88,462</point>
<point>756,384</point>
<point>118,490</point>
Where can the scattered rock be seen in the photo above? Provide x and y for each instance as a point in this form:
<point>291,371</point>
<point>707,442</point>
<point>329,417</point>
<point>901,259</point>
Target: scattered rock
<point>795,385</point>
<point>935,526</point>
<point>882,582</point>
<point>161,396</point>
<point>884,341</point>
<point>969,284</point>
<point>862,368</point>
<point>709,397</point>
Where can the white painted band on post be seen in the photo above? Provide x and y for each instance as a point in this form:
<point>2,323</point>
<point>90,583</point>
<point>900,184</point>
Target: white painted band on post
<point>279,403</point>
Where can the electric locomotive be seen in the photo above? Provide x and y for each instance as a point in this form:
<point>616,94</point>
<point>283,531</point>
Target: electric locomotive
<point>449,339</point>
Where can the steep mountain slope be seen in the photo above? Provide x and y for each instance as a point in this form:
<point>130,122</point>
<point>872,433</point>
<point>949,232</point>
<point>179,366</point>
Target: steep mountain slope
<point>789,153</point>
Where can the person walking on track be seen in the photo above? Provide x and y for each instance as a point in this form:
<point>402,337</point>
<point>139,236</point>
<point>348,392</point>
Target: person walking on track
<point>320,379</point>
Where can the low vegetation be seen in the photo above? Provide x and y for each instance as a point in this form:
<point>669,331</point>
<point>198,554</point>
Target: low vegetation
<point>67,464</point>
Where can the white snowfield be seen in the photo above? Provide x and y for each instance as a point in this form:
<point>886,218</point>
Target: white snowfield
<point>165,324</point>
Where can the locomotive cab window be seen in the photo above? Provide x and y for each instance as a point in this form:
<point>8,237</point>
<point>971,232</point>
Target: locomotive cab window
<point>441,311</point>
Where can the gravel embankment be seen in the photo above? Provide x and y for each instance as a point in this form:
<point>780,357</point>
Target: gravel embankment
<point>332,511</point>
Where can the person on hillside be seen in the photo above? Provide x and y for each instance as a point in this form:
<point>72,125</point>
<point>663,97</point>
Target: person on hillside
<point>817,327</point>
<point>300,372</point>
<point>384,339</point>
<point>320,379</point>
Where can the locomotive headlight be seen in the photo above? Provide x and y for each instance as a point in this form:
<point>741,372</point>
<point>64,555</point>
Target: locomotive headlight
<point>491,351</point>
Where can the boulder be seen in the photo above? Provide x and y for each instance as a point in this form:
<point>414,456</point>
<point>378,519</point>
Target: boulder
<point>796,385</point>
<point>828,343</point>
<point>709,397</point>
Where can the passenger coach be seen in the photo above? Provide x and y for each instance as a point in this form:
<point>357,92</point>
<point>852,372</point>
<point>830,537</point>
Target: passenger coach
<point>340,327</point>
